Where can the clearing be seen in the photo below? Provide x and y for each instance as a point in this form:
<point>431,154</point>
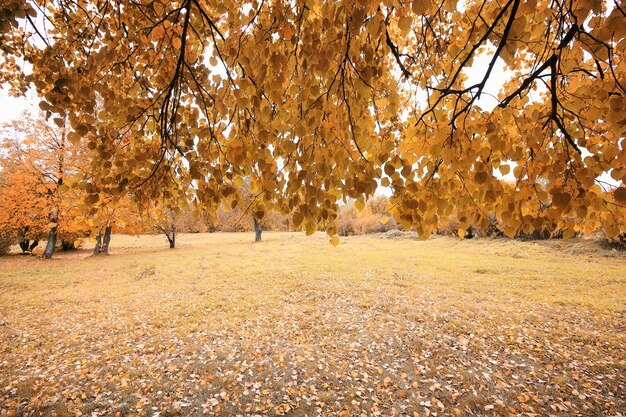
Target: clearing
<point>294,326</point>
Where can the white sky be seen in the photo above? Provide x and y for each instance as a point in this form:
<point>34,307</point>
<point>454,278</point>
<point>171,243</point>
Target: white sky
<point>11,107</point>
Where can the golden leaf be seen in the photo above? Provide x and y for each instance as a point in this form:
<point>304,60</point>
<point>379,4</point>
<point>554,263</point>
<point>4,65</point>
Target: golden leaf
<point>620,195</point>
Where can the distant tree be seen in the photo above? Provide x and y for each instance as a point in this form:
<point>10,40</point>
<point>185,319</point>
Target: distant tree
<point>165,220</point>
<point>122,214</point>
<point>248,212</point>
<point>37,159</point>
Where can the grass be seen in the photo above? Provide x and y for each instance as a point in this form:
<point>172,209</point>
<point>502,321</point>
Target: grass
<point>294,326</point>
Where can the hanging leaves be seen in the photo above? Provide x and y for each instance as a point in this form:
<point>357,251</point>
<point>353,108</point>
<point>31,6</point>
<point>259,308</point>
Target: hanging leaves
<point>305,97</point>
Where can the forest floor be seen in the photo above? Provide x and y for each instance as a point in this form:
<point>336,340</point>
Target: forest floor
<point>294,326</point>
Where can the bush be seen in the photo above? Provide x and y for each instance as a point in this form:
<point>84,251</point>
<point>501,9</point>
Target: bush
<point>345,226</point>
<point>618,243</point>
<point>369,224</point>
<point>354,222</point>
<point>372,224</point>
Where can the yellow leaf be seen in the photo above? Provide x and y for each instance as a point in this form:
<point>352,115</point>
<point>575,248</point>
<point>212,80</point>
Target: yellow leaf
<point>259,214</point>
<point>561,200</point>
<point>620,195</point>
<point>310,228</point>
<point>297,219</point>
<point>384,220</point>
<point>404,23</point>
<point>92,199</point>
<point>334,240</point>
<point>510,232</point>
<point>420,6</point>
<point>480,177</point>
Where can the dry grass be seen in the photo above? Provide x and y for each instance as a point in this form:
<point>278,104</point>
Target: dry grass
<point>224,326</point>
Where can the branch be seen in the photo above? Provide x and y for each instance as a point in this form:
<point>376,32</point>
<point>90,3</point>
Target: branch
<point>396,54</point>
<point>538,72</point>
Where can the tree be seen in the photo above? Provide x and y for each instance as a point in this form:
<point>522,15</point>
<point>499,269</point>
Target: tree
<point>166,221</point>
<point>36,206</point>
<point>122,213</point>
<point>317,101</point>
<point>23,218</point>
<point>246,206</point>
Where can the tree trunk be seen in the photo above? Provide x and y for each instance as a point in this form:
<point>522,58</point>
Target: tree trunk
<point>52,238</point>
<point>258,229</point>
<point>24,244</point>
<point>172,239</point>
<point>33,245</point>
<point>97,250</point>
<point>106,240</point>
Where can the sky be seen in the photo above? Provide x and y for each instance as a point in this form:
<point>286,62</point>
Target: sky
<point>11,107</point>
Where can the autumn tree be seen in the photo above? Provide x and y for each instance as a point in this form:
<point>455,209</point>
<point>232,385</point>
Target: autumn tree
<point>23,217</point>
<point>317,101</point>
<point>36,206</point>
<point>247,212</point>
<point>168,217</point>
<point>120,214</point>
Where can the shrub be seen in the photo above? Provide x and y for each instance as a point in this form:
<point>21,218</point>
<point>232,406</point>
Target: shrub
<point>372,224</point>
<point>617,243</point>
<point>354,222</point>
<point>345,226</point>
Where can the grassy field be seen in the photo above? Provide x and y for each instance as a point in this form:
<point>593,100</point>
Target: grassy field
<point>294,326</point>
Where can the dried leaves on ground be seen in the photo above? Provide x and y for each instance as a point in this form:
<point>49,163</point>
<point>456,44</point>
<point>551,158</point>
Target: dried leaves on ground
<point>292,326</point>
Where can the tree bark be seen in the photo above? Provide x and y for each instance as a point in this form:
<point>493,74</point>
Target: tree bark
<point>25,243</point>
<point>54,196</point>
<point>33,245</point>
<point>172,238</point>
<point>258,229</point>
<point>170,233</point>
<point>106,240</point>
<point>52,237</point>
<point>97,250</point>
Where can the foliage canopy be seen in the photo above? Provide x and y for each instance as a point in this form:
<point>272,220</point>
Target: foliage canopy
<point>316,101</point>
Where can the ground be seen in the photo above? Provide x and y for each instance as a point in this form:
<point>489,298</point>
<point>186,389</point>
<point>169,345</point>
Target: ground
<point>295,326</point>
